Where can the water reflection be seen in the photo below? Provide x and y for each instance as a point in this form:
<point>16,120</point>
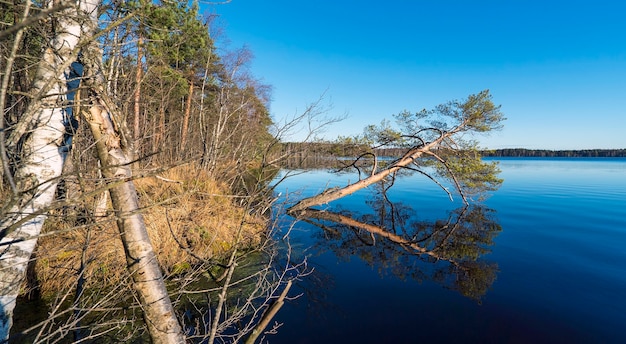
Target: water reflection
<point>393,239</point>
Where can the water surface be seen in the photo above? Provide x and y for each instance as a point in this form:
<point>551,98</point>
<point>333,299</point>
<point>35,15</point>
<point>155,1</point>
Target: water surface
<point>561,264</point>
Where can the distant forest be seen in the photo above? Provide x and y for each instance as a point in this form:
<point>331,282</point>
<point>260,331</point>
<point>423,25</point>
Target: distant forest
<point>543,153</point>
<point>313,150</point>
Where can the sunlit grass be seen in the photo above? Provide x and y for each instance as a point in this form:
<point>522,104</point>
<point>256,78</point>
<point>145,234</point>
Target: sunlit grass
<point>190,217</point>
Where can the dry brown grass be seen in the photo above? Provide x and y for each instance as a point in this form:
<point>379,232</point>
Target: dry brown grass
<point>188,214</point>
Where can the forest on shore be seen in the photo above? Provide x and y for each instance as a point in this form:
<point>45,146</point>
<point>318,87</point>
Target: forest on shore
<point>544,153</point>
<point>341,148</point>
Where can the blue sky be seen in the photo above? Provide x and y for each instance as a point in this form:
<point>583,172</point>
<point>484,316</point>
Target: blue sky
<point>557,68</point>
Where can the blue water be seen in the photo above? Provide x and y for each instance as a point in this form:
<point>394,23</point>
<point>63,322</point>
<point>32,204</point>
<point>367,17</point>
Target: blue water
<point>560,255</point>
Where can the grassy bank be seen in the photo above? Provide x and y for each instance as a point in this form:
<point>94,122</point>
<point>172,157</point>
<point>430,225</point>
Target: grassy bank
<point>190,218</point>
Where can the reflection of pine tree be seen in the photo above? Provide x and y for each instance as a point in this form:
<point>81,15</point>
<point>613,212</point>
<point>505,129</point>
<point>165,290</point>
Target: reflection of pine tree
<point>393,240</point>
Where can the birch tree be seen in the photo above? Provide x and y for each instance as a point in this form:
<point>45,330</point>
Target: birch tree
<point>115,155</point>
<point>40,136</point>
<point>40,133</point>
<point>34,145</point>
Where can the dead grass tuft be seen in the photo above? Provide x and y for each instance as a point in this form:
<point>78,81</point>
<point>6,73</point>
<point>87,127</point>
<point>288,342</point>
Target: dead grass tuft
<point>188,216</point>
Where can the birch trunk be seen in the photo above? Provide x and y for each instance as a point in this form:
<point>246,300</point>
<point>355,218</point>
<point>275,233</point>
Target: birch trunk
<point>115,155</point>
<point>41,128</point>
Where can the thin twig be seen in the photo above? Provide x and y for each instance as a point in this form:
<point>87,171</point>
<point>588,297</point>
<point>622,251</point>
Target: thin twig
<point>269,315</point>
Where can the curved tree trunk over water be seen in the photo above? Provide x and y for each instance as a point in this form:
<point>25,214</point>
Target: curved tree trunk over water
<point>477,114</point>
<point>408,158</point>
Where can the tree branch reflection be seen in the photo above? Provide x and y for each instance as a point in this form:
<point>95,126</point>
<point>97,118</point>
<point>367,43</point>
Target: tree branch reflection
<point>448,251</point>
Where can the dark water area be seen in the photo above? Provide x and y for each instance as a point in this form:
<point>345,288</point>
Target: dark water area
<point>559,253</point>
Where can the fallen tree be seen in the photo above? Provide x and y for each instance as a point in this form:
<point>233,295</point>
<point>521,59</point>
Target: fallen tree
<point>431,138</point>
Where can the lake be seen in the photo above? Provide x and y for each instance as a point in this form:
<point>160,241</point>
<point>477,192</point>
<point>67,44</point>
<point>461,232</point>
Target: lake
<point>552,266</point>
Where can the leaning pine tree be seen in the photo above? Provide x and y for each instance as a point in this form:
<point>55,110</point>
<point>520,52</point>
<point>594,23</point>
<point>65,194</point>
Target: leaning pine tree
<point>430,138</point>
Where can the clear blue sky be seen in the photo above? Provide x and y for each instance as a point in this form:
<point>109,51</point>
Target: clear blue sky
<point>558,68</point>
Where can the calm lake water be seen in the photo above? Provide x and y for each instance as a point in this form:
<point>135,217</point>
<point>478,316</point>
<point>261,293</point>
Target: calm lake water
<point>559,262</point>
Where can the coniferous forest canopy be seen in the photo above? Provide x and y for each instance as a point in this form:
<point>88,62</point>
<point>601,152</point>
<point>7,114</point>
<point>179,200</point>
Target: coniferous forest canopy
<point>137,160</point>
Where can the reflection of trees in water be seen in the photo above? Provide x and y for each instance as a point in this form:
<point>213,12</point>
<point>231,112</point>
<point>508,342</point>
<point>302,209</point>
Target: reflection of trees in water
<point>393,240</point>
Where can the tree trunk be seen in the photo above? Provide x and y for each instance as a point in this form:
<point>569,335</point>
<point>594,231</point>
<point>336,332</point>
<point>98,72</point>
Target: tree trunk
<point>137,96</point>
<point>42,158</point>
<point>160,129</point>
<point>185,129</point>
<point>334,194</point>
<point>115,155</point>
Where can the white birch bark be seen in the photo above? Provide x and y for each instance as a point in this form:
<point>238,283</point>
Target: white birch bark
<point>115,154</point>
<point>42,157</point>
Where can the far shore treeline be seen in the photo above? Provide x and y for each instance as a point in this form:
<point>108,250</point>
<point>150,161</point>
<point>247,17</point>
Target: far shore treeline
<point>312,150</point>
<point>544,153</point>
